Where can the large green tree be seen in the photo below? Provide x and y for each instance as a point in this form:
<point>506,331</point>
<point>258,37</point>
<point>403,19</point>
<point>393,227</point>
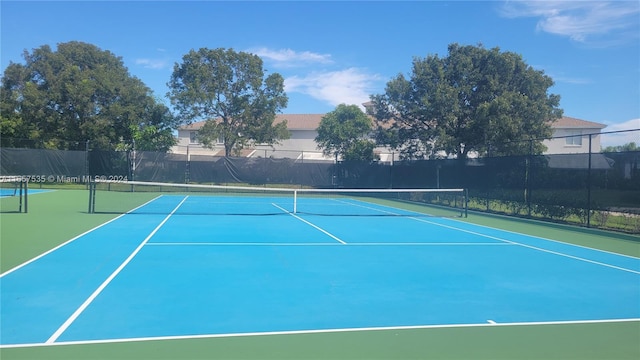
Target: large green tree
<point>344,132</point>
<point>229,91</point>
<point>77,93</point>
<point>473,100</point>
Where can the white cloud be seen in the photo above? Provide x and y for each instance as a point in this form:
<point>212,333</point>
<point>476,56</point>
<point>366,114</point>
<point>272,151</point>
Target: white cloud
<point>627,125</point>
<point>562,78</point>
<point>349,86</point>
<point>291,58</point>
<point>622,138</point>
<point>570,80</point>
<point>155,64</point>
<point>606,22</point>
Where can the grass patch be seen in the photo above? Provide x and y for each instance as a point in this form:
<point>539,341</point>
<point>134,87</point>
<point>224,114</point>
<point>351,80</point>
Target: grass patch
<point>570,341</point>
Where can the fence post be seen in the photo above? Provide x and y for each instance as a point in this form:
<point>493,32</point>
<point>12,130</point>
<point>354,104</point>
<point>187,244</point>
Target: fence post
<point>589,185</point>
<point>527,179</point>
<point>132,168</point>
<point>87,166</point>
<point>187,167</point>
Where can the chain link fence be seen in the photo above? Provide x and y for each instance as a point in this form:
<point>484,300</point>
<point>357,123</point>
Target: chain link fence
<point>592,189</point>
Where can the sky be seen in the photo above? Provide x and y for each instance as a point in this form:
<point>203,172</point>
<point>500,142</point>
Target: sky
<point>333,52</point>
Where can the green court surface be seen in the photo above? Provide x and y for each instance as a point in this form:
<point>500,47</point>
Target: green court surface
<point>57,216</point>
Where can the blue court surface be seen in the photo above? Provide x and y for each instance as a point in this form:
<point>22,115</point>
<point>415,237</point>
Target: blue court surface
<point>167,273</point>
<point>7,192</point>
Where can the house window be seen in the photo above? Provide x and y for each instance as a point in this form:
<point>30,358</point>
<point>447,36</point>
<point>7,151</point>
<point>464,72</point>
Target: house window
<point>220,140</point>
<point>575,139</point>
<point>193,137</point>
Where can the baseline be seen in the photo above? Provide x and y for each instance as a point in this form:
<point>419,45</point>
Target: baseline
<point>376,286</point>
<point>318,331</point>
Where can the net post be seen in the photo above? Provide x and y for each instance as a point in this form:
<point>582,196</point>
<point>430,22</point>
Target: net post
<point>91,196</point>
<point>26,197</point>
<point>95,191</point>
<point>20,185</point>
<point>295,201</point>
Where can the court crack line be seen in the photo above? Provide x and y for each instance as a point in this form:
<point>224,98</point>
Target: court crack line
<point>104,284</point>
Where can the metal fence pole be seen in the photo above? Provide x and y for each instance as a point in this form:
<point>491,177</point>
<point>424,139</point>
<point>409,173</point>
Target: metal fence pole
<point>87,166</point>
<point>589,185</point>
<point>527,179</point>
<point>187,167</point>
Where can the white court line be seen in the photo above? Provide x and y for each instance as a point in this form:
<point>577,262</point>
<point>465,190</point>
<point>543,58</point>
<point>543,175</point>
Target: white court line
<point>97,292</point>
<point>74,238</point>
<point>550,240</point>
<point>529,246</point>
<point>372,208</point>
<point>327,244</point>
<point>311,224</point>
<point>321,331</point>
<point>509,241</point>
<point>492,228</point>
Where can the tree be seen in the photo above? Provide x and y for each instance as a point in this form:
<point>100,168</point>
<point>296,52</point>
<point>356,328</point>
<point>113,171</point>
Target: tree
<point>470,100</point>
<point>63,98</point>
<point>228,90</point>
<point>344,133</point>
<point>622,148</point>
<point>151,135</point>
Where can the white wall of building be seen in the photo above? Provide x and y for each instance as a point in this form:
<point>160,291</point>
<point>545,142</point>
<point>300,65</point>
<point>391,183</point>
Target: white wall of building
<point>573,141</point>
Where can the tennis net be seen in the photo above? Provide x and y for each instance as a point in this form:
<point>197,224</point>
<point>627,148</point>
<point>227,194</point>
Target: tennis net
<point>152,198</point>
<point>13,194</point>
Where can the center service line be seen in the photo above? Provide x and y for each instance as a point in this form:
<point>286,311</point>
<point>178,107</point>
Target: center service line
<point>97,292</point>
<point>311,224</point>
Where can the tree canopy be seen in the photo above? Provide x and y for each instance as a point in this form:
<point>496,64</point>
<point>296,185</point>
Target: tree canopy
<point>632,146</point>
<point>78,93</point>
<point>344,132</point>
<point>229,91</point>
<point>471,100</point>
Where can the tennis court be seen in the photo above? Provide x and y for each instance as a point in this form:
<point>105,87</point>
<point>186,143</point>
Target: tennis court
<point>189,266</point>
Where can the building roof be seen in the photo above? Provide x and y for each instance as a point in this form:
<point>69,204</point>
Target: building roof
<point>300,121</point>
<point>312,122</point>
<point>569,122</point>
<point>294,122</point>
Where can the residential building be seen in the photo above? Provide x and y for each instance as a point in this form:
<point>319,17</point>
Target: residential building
<point>571,136</point>
<point>301,144</point>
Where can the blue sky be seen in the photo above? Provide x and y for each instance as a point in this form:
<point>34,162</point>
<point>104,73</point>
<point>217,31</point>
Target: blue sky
<point>333,52</point>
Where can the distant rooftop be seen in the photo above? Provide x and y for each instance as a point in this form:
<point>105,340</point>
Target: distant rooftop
<point>294,122</point>
<point>569,122</point>
<point>312,121</point>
